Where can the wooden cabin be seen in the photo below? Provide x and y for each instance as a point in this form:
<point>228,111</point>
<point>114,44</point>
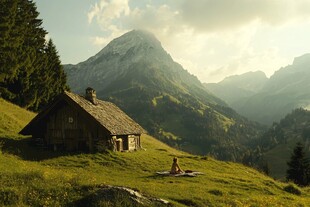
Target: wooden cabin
<point>73,122</point>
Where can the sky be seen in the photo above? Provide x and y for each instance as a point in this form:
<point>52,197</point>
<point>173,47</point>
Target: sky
<point>212,39</point>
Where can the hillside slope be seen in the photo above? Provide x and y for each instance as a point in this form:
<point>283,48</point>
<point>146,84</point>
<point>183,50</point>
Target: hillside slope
<point>12,118</point>
<point>278,142</point>
<point>139,76</point>
<point>79,179</point>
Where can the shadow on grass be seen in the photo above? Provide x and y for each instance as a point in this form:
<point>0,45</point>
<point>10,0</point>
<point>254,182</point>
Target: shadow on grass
<point>188,202</point>
<point>26,149</point>
<point>154,176</point>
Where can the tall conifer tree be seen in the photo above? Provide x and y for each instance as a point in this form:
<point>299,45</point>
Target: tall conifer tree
<point>30,54</point>
<point>298,167</point>
<point>10,41</point>
<point>51,78</point>
<point>25,57</point>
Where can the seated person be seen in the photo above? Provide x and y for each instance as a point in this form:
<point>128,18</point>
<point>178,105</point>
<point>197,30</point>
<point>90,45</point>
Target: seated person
<point>175,168</point>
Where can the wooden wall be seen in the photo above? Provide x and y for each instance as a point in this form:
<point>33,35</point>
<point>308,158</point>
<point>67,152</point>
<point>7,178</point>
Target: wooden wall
<point>68,128</point>
<point>133,142</point>
<point>130,142</point>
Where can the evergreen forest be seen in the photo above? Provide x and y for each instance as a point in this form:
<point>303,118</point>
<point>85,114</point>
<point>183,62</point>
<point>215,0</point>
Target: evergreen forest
<point>31,73</point>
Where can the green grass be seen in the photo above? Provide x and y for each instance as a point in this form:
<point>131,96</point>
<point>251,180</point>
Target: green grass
<point>169,135</point>
<point>12,118</point>
<point>279,156</point>
<point>171,98</point>
<point>33,177</point>
<point>277,159</point>
<point>226,122</point>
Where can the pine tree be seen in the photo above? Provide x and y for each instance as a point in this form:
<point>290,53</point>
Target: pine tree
<point>51,79</point>
<point>298,167</point>
<point>30,54</point>
<point>54,65</point>
<point>10,41</point>
<point>30,70</point>
<point>22,41</point>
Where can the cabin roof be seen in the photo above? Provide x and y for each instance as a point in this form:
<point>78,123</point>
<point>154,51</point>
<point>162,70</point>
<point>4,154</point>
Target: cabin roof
<point>105,113</point>
<point>108,115</point>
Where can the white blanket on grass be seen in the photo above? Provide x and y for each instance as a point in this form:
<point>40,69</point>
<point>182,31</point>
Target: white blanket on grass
<point>187,174</point>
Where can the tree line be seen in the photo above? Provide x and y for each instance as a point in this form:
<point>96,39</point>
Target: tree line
<point>31,73</point>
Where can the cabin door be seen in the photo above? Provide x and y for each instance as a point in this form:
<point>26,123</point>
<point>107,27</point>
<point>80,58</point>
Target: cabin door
<point>131,143</point>
<point>71,139</point>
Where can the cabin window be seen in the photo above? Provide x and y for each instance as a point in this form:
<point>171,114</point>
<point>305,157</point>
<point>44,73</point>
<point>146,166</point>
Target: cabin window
<point>70,120</point>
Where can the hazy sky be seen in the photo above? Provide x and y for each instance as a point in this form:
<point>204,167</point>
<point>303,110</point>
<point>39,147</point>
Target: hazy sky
<point>212,39</point>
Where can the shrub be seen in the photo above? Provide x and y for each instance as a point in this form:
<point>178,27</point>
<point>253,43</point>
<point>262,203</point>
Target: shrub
<point>8,197</point>
<point>216,192</point>
<point>293,189</point>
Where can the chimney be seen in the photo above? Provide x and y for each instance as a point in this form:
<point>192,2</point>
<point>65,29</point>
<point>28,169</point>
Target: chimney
<point>91,95</point>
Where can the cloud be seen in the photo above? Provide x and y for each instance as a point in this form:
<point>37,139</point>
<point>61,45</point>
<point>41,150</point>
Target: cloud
<point>169,19</point>
<point>210,38</point>
<point>99,41</point>
<point>154,18</point>
<point>267,60</point>
<point>215,15</point>
<point>107,11</point>
<point>200,15</point>
<point>102,41</point>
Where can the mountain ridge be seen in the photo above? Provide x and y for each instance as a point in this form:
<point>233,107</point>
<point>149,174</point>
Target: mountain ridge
<point>236,87</point>
<point>118,51</point>
<point>285,90</point>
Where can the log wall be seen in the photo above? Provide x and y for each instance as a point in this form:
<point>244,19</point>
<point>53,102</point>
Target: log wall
<point>67,128</point>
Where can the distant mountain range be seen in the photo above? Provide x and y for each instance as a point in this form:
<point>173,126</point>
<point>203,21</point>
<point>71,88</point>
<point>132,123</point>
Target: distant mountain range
<point>238,87</point>
<point>267,100</point>
<point>138,75</point>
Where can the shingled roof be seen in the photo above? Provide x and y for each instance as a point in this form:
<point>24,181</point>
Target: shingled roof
<point>105,113</point>
<point>108,115</point>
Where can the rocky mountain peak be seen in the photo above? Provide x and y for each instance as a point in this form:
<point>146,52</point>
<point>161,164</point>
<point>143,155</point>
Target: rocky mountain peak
<point>136,54</point>
<point>246,78</point>
<point>136,43</point>
<point>302,60</point>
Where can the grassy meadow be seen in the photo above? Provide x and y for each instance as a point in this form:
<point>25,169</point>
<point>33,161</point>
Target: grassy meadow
<point>34,177</point>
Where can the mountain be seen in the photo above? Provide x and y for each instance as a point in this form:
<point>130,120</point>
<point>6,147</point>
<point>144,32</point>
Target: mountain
<point>133,59</point>
<point>278,142</point>
<point>285,90</point>
<point>234,88</point>
<point>138,75</point>
<point>36,177</point>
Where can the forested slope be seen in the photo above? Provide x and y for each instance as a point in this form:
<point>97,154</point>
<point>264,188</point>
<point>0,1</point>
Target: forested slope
<point>31,73</point>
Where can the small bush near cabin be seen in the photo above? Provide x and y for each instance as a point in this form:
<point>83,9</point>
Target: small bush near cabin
<point>293,189</point>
